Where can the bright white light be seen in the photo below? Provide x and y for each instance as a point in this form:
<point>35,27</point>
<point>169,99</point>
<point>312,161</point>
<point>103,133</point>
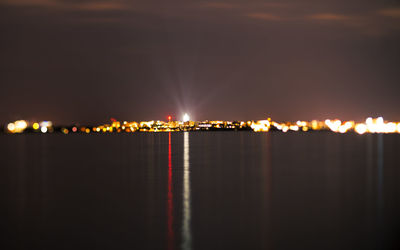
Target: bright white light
<point>43,129</point>
<point>187,210</point>
<point>333,125</point>
<point>361,128</point>
<point>390,127</point>
<point>11,127</point>
<point>186,118</point>
<point>20,125</point>
<point>342,129</point>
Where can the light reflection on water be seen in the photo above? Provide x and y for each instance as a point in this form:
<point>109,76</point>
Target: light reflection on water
<point>170,203</point>
<point>380,199</point>
<point>186,230</point>
<point>200,191</point>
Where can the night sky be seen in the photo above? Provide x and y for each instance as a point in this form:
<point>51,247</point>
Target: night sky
<point>89,60</point>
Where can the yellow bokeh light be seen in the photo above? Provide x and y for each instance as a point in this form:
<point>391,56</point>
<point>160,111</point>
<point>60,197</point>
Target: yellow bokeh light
<point>35,126</point>
<point>314,124</point>
<point>17,126</point>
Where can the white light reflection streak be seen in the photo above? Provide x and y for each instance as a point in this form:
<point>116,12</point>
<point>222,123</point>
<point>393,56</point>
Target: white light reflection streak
<point>380,191</point>
<point>186,231</point>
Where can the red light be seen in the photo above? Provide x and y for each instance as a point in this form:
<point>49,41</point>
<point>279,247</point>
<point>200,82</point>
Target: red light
<point>170,204</point>
<point>169,118</point>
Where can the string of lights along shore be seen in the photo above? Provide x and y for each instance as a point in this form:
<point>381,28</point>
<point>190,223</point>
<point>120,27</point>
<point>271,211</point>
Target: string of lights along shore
<point>371,125</point>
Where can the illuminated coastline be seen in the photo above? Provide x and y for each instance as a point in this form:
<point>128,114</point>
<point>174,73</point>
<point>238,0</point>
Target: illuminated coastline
<point>371,125</point>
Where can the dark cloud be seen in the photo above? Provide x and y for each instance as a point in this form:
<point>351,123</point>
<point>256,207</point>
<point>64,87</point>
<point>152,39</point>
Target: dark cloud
<point>88,61</point>
<point>330,17</point>
<point>393,12</point>
<point>264,16</point>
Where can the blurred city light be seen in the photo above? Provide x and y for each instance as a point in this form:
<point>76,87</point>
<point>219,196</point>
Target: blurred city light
<point>11,127</point>
<point>371,125</point>
<point>17,126</point>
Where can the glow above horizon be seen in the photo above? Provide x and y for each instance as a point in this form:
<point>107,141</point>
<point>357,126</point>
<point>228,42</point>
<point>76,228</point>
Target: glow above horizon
<point>186,118</point>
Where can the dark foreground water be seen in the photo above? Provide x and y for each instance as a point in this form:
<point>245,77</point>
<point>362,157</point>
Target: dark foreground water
<point>222,190</point>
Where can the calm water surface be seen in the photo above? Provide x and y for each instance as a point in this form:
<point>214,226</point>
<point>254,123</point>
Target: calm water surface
<point>214,190</point>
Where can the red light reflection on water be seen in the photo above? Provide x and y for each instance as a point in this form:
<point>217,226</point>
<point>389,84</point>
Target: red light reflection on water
<point>170,204</point>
